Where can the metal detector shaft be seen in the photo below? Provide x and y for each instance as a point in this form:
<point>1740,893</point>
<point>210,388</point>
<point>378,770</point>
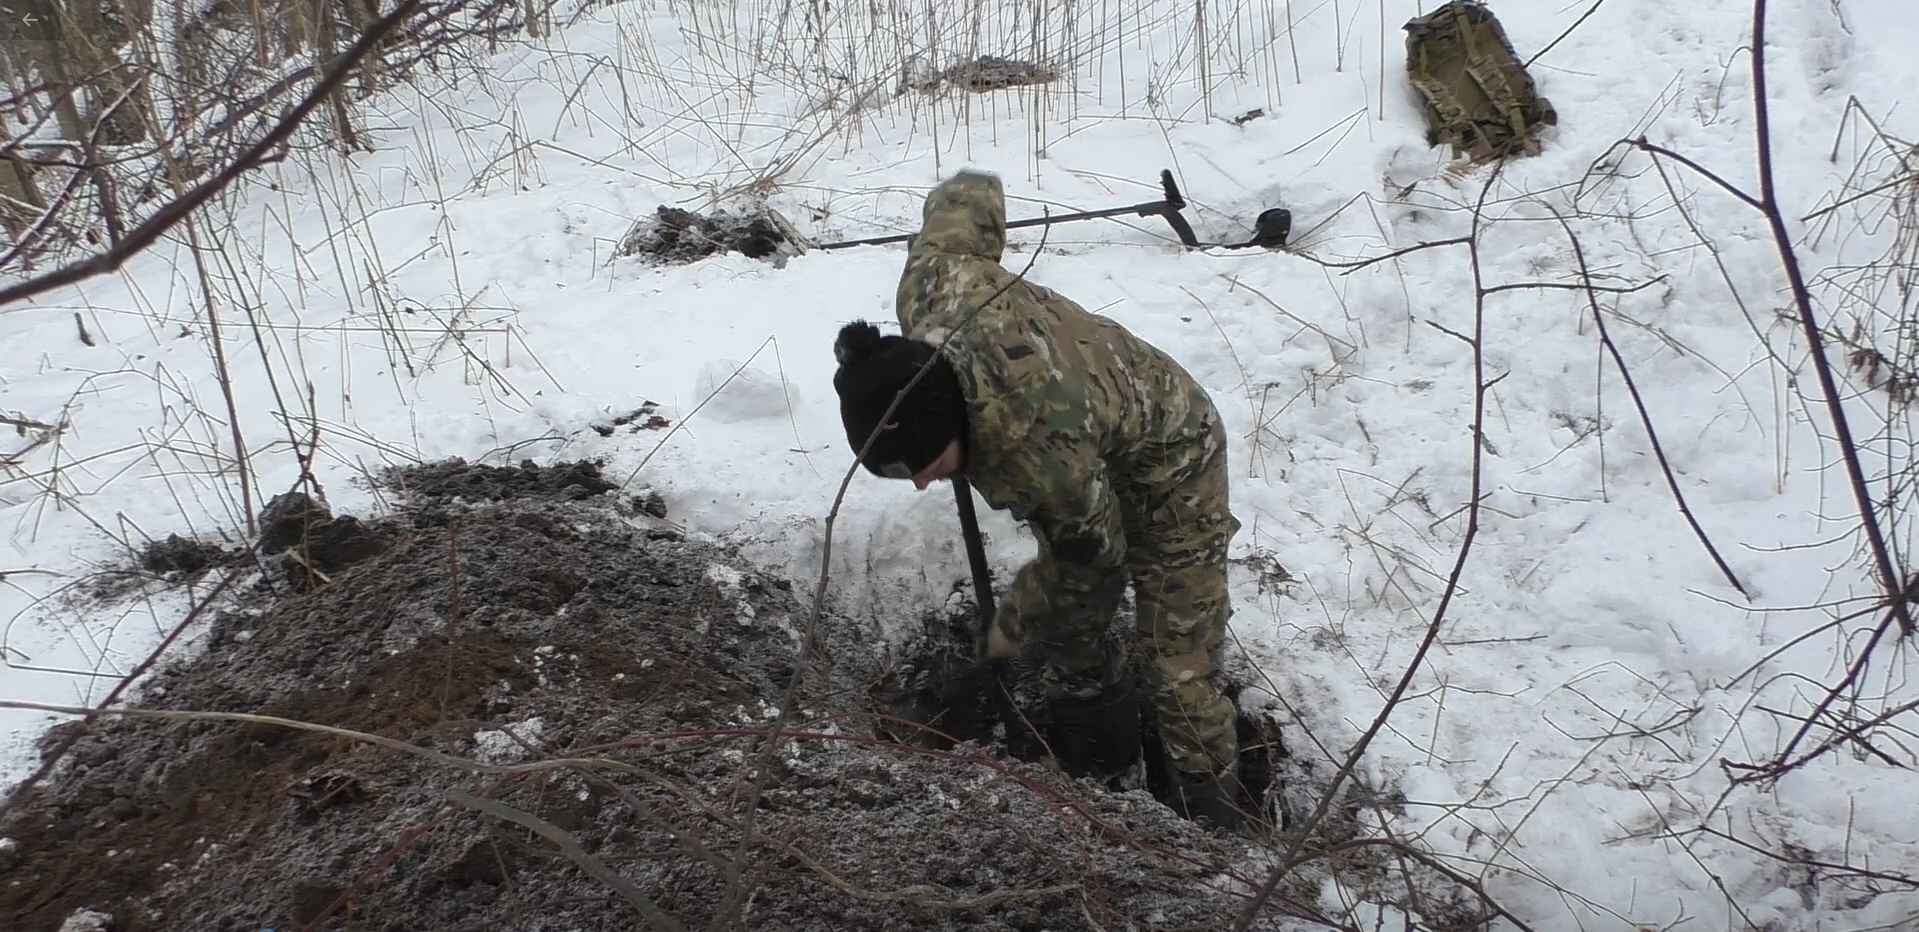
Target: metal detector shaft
<point>1168,206</point>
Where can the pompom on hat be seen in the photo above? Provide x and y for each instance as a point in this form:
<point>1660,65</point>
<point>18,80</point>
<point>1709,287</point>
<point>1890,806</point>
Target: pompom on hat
<point>873,368</point>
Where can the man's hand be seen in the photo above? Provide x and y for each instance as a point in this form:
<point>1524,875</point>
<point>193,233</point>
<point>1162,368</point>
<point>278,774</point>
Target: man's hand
<point>1003,635</point>
<point>999,642</point>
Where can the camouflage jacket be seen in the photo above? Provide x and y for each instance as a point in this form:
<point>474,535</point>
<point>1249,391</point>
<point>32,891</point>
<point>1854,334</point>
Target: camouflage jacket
<point>1066,407</point>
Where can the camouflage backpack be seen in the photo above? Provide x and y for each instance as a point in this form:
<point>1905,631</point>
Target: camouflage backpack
<point>1475,92</point>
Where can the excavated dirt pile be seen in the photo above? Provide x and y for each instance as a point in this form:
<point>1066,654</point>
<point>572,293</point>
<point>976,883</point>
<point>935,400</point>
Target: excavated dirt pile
<point>611,684</point>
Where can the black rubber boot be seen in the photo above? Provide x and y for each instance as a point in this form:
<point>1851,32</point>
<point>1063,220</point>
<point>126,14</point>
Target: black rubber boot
<point>1206,798</point>
<point>1097,737</point>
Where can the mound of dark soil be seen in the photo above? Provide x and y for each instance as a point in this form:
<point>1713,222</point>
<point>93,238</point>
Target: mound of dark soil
<point>458,479</point>
<point>673,235</point>
<point>630,677</point>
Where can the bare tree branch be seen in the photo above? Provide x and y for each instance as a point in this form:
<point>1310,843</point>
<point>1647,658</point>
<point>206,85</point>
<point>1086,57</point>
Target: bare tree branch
<point>141,237</point>
<point>1645,417</point>
<point>1890,577</point>
<point>1292,856</point>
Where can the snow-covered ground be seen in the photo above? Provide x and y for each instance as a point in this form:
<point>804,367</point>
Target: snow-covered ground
<point>456,294</point>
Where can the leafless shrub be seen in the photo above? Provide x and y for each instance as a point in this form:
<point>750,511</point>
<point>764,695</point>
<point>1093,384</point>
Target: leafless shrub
<point>114,106</point>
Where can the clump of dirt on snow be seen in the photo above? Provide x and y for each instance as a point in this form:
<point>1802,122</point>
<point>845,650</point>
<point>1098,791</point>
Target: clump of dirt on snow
<point>674,235</point>
<point>458,479</point>
<point>610,685</point>
<point>985,73</point>
<point>182,555</point>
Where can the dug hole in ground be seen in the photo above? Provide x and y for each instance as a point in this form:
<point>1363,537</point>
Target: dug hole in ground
<point>551,685</point>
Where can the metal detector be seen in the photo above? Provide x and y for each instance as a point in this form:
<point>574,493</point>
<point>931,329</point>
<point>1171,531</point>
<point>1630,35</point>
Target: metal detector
<point>1270,229</point>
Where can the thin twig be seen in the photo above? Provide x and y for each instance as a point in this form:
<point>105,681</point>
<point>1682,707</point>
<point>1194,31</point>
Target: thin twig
<point>1569,31</point>
<point>1835,870</point>
<point>1890,577</point>
<point>1645,417</point>
<point>1897,591</point>
<point>656,917</point>
<point>1642,144</point>
<point>392,744</point>
<point>1292,856</point>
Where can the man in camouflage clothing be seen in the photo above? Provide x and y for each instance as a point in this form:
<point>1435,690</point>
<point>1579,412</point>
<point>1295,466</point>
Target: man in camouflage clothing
<point>1105,447</point>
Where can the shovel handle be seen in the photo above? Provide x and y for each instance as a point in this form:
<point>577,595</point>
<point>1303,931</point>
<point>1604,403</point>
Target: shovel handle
<point>975,554</point>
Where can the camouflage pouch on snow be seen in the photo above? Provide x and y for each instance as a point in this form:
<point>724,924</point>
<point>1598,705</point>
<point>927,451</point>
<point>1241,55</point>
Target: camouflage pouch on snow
<point>1475,92</point>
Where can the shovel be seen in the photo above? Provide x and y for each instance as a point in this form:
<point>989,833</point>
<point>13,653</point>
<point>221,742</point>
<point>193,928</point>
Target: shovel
<point>1270,231</point>
<point>989,674</point>
<point>975,555</point>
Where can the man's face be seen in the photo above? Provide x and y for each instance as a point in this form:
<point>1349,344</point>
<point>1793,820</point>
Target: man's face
<point>945,467</point>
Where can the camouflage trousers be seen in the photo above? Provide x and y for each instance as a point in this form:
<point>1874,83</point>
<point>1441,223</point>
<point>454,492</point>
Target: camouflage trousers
<point>1173,502</point>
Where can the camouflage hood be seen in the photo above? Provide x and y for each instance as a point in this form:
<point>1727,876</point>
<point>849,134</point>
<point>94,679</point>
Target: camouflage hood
<point>1054,393</point>
<point>964,216</point>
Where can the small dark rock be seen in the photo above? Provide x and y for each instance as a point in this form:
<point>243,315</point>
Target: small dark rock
<point>652,503</point>
<point>285,520</point>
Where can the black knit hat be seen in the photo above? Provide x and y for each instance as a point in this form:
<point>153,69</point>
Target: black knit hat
<point>873,368</point>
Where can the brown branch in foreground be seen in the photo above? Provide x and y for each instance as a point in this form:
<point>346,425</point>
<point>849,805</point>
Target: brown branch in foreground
<point>1767,203</point>
<point>1645,417</point>
<point>917,894</point>
<point>149,231</point>
<point>656,917</point>
<point>1293,855</point>
<point>380,865</point>
<point>1857,733</point>
<point>1783,762</point>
